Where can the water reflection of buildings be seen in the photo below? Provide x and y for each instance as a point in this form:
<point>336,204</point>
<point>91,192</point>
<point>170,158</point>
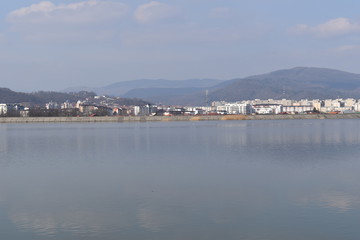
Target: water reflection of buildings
<point>3,140</point>
<point>45,217</point>
<point>51,223</point>
<point>290,133</point>
<point>334,201</point>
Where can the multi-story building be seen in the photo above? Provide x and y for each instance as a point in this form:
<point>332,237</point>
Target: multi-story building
<point>297,109</point>
<point>267,108</point>
<point>5,108</point>
<point>145,110</point>
<point>235,108</point>
<point>350,102</point>
<point>52,105</point>
<point>317,104</point>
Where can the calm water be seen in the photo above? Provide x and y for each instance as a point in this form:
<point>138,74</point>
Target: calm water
<point>228,180</point>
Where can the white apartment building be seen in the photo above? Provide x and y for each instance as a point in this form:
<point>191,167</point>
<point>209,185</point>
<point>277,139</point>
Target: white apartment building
<point>6,107</point>
<point>357,106</point>
<point>267,108</point>
<point>235,108</point>
<point>3,109</point>
<point>297,109</point>
<point>317,104</point>
<point>145,110</point>
<point>51,105</point>
<point>67,105</point>
<point>271,106</point>
<point>349,102</point>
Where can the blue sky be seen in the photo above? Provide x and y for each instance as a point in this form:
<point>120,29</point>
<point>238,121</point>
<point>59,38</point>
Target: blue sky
<point>52,45</point>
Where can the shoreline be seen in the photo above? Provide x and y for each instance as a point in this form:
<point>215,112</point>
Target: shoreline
<point>175,118</point>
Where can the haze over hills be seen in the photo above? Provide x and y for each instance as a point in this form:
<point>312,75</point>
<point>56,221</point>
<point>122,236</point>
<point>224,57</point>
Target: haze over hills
<point>122,88</point>
<point>42,97</point>
<point>296,83</point>
<point>9,96</point>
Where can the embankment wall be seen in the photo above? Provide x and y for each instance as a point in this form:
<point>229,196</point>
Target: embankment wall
<point>175,118</point>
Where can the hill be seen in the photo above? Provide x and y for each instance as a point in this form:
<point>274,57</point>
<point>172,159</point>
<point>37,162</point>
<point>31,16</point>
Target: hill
<point>9,96</point>
<point>295,83</point>
<point>42,97</point>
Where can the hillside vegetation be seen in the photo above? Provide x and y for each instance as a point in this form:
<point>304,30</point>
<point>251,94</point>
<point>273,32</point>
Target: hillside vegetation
<point>42,97</point>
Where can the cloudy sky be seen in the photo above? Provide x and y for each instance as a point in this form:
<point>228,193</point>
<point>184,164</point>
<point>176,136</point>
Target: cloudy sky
<point>52,45</point>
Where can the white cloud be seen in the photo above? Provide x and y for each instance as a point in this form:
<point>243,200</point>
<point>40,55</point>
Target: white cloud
<point>155,11</point>
<point>43,7</point>
<point>79,13</point>
<point>88,20</point>
<point>333,27</point>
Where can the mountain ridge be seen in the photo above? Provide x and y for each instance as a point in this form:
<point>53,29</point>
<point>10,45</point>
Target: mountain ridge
<point>294,83</point>
<point>9,96</point>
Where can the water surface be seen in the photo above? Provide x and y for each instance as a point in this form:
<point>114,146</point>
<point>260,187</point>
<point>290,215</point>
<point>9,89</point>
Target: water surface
<point>287,179</point>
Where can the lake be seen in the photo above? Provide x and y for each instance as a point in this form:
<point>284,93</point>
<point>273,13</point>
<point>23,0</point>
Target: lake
<point>211,180</point>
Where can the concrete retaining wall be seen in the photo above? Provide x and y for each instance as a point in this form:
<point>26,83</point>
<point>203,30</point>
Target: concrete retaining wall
<point>175,118</point>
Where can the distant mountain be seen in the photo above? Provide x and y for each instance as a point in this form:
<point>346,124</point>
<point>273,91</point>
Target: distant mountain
<point>124,88</point>
<point>166,96</point>
<point>295,83</point>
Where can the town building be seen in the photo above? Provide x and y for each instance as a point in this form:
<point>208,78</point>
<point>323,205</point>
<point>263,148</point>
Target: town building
<point>145,110</point>
<point>267,108</point>
<point>235,108</point>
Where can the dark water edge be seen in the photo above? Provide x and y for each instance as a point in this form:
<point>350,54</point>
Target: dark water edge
<point>177,118</point>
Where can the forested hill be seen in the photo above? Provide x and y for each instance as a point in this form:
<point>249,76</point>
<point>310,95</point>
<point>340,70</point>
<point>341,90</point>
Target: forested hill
<point>42,97</point>
<point>9,96</point>
<point>295,83</point>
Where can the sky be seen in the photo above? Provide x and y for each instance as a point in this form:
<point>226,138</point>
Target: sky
<point>56,44</point>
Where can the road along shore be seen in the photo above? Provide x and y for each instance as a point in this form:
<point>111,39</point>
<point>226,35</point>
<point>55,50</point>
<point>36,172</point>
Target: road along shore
<point>175,118</point>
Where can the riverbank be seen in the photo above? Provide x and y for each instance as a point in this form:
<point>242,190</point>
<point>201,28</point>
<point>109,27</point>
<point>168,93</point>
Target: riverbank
<point>176,118</point>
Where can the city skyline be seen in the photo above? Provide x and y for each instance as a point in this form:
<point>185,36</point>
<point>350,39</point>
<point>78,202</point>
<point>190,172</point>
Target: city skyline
<point>51,45</point>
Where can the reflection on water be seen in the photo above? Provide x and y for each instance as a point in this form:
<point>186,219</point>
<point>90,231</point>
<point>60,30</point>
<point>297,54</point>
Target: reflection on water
<point>293,132</point>
<point>3,142</point>
<point>340,202</point>
<point>181,180</point>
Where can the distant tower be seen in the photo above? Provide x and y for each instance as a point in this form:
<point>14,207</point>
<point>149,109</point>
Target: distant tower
<point>283,93</point>
<point>206,97</point>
